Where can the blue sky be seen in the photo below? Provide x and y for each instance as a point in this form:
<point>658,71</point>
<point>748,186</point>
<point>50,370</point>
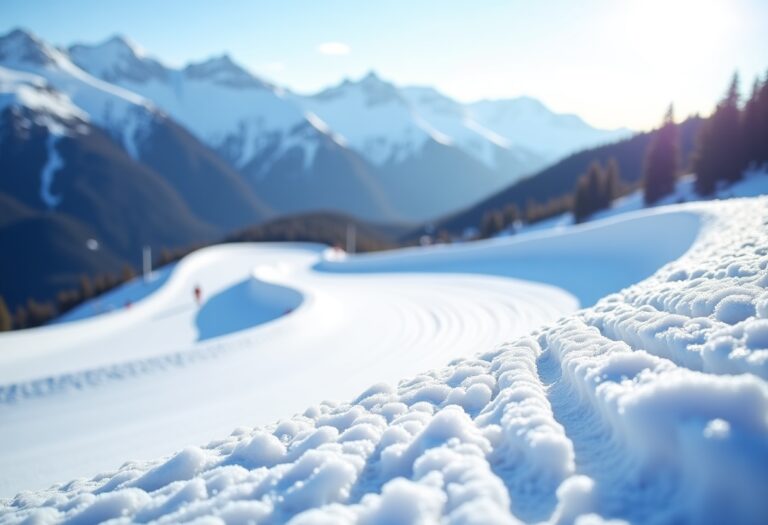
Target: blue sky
<point>614,62</point>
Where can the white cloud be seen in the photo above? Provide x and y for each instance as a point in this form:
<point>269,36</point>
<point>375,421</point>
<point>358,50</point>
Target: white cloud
<point>333,48</point>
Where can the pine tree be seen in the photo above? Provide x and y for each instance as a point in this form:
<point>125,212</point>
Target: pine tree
<point>750,127</point>
<point>86,287</point>
<point>6,323</point>
<point>511,215</point>
<point>661,160</point>
<point>612,181</point>
<point>720,148</point>
<point>493,223</point>
<point>128,273</point>
<point>762,125</point>
<point>20,318</point>
<point>581,200</point>
<point>735,162</point>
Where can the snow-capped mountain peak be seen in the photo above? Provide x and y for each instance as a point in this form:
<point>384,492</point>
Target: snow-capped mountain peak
<point>24,90</point>
<point>224,71</point>
<point>372,89</point>
<point>527,122</point>
<point>116,59</point>
<point>20,46</point>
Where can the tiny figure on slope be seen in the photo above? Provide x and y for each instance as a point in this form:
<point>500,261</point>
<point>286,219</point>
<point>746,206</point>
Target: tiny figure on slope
<point>198,294</point>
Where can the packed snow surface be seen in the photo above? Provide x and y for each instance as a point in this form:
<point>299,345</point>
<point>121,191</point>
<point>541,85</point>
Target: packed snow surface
<point>650,406</point>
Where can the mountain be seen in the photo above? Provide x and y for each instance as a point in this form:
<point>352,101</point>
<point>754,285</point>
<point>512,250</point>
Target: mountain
<point>560,178</point>
<point>397,153</point>
<point>286,157</point>
<point>51,159</point>
<point>434,153</point>
<point>421,169</point>
<point>212,189</point>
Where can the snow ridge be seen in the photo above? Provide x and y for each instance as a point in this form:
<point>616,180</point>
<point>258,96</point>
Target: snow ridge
<point>614,413</point>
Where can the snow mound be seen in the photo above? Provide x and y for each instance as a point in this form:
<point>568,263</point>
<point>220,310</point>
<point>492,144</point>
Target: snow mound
<point>648,407</point>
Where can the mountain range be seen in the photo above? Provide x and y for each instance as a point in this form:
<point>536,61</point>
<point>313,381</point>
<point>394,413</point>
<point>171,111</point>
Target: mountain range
<point>107,140</point>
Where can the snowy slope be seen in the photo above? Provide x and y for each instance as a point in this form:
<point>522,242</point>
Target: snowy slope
<point>648,407</point>
<point>23,90</point>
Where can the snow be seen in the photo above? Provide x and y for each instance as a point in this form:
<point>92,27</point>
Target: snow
<point>453,121</point>
<point>112,59</point>
<point>649,406</point>
<point>52,165</point>
<point>372,118</point>
<point>32,91</point>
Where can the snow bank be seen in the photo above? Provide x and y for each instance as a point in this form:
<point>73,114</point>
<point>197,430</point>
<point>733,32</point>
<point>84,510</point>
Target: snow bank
<point>649,407</point>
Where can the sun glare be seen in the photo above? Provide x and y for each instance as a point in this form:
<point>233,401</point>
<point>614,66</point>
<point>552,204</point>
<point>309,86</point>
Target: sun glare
<point>667,32</point>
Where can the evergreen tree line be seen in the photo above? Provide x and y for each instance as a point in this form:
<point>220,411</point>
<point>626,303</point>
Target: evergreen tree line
<point>596,189</point>
<point>510,217</point>
<point>36,313</point>
<point>732,140</point>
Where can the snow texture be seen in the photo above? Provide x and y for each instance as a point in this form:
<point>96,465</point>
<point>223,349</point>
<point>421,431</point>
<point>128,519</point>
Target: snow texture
<point>648,407</point>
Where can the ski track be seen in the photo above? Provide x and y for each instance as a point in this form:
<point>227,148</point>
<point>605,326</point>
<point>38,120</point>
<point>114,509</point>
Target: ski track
<point>650,406</point>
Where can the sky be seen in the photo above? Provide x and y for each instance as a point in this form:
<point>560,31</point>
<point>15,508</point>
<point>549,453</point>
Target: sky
<point>616,63</point>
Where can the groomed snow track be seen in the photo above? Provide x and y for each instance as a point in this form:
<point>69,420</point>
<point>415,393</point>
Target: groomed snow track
<point>650,406</point>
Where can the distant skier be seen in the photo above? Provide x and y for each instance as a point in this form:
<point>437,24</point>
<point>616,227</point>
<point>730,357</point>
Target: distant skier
<point>198,294</point>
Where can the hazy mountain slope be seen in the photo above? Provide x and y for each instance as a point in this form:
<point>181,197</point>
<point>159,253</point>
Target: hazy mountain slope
<point>337,179</point>
<point>12,210</point>
<point>46,252</point>
<point>210,187</point>
<point>526,122</point>
<point>95,182</point>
